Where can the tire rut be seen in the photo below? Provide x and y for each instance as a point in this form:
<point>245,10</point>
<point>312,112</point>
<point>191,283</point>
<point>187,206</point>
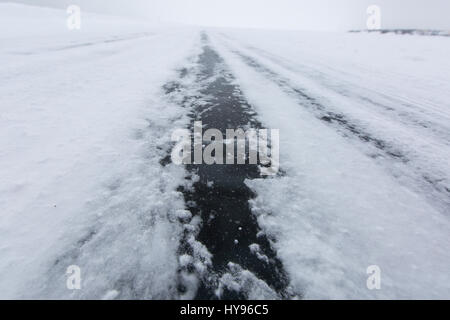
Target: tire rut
<point>223,254</point>
<point>405,116</point>
<point>431,184</point>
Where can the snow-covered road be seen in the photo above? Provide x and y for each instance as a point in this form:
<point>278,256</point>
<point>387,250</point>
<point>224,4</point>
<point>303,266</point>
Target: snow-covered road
<point>351,196</point>
<point>86,179</point>
<point>83,129</point>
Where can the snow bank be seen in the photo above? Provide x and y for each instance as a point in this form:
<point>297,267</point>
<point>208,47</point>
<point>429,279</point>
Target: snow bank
<point>82,130</point>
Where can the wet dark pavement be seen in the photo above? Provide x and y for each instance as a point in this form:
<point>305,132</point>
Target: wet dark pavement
<point>220,196</point>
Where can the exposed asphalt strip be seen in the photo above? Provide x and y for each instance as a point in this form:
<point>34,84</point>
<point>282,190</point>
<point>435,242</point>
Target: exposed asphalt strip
<point>223,253</point>
<point>345,126</point>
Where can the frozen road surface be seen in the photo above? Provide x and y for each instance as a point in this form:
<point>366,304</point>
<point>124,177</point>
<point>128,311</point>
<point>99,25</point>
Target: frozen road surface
<point>87,178</point>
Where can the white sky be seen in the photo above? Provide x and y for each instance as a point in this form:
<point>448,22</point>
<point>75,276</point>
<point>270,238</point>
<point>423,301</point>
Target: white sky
<point>281,14</point>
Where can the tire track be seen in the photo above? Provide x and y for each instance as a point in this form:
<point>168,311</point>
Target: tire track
<point>433,185</point>
<point>113,39</point>
<point>321,112</point>
<point>406,116</point>
<point>223,254</point>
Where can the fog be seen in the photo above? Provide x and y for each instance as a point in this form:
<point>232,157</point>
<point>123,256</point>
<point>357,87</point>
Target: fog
<point>272,14</point>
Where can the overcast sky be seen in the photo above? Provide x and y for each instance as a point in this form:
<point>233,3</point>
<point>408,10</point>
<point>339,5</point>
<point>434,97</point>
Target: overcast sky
<point>281,14</point>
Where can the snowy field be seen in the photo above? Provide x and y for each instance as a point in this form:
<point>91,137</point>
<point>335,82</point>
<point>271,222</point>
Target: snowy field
<point>86,122</point>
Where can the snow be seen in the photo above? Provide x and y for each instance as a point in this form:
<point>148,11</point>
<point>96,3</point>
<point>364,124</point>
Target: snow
<point>375,81</point>
<point>85,122</point>
<point>256,249</point>
<point>82,131</point>
<point>243,281</point>
<point>337,211</point>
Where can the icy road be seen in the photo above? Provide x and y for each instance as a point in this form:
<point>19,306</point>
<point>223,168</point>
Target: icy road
<point>86,177</point>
